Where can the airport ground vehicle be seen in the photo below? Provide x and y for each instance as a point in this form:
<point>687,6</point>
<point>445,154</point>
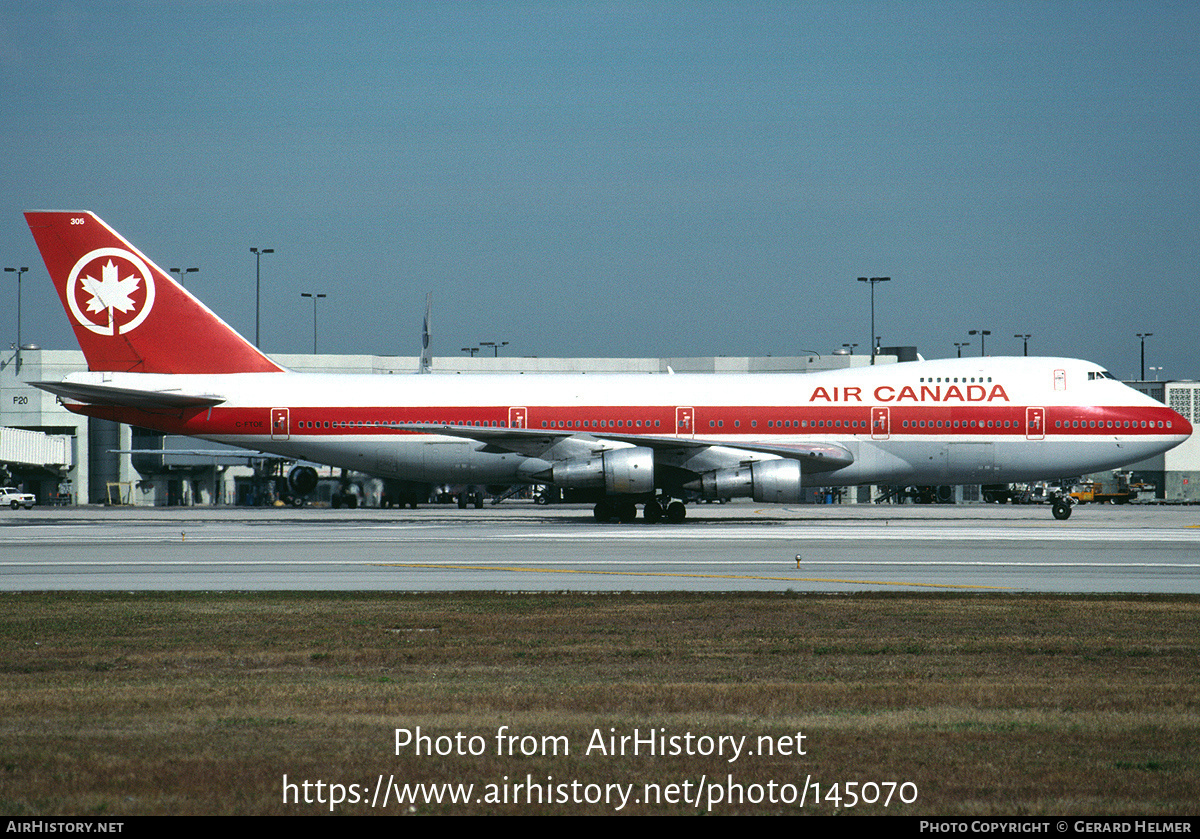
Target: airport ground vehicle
<point>1116,490</point>
<point>14,498</point>
<point>160,359</point>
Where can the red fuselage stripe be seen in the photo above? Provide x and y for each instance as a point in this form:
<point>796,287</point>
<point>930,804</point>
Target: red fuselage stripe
<point>901,421</point>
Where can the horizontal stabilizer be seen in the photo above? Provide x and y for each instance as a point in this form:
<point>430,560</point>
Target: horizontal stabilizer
<point>129,398</point>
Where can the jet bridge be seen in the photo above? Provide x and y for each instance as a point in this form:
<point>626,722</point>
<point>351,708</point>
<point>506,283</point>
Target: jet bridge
<point>35,461</point>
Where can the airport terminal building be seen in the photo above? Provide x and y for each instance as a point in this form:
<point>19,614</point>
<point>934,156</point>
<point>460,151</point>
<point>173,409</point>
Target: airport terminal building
<point>67,458</point>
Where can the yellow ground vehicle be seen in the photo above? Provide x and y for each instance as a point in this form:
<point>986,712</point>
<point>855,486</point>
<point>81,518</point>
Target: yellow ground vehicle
<point>1116,491</point>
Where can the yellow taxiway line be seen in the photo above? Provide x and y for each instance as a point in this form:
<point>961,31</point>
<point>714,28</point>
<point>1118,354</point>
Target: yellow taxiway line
<point>515,568</point>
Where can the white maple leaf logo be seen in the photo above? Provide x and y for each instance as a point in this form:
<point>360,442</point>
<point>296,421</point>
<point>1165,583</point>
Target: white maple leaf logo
<point>109,292</point>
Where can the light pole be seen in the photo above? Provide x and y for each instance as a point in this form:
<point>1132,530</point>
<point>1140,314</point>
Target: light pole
<point>959,347</point>
<point>258,287</point>
<point>495,346</point>
<point>1156,370</point>
<point>1025,341</point>
<point>315,297</point>
<point>873,281</point>
<point>982,333</point>
<point>850,347</point>
<point>182,271</point>
<point>1141,335</point>
<point>18,272</point>
<point>471,350</point>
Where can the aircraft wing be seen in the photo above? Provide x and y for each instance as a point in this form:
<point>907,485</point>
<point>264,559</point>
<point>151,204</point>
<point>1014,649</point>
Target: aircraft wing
<point>218,453</point>
<point>817,457</point>
<point>146,400</point>
<point>550,444</point>
<point>561,444</point>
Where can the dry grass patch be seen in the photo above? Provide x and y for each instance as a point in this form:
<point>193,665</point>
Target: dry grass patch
<point>132,703</point>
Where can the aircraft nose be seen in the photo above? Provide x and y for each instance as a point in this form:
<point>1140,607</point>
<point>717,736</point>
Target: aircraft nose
<point>1181,422</point>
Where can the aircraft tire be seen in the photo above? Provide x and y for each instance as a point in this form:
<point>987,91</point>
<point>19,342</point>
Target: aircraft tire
<point>626,512</point>
<point>602,512</point>
<point>652,512</point>
<point>676,512</point>
<point>1061,510</point>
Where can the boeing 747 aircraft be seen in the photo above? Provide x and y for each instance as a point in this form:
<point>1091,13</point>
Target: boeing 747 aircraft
<point>158,358</point>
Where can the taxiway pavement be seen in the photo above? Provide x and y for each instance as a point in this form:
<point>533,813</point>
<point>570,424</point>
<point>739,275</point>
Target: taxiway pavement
<point>523,547</point>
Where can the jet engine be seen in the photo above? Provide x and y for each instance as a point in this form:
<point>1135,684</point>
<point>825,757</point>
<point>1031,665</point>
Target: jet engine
<point>766,481</point>
<point>302,480</point>
<point>618,472</point>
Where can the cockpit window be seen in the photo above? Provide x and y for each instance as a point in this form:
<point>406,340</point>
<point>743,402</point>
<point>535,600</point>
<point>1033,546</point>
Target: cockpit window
<point>1100,374</point>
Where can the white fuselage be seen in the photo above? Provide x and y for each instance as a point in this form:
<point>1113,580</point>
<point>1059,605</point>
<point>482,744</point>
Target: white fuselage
<point>956,421</point>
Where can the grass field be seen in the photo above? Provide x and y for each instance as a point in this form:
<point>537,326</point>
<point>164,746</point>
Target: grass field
<point>201,703</point>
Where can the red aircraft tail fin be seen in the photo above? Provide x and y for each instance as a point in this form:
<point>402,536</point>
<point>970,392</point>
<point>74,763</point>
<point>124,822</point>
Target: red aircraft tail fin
<point>128,314</point>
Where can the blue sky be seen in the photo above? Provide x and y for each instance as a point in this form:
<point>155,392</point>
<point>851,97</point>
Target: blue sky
<point>608,178</point>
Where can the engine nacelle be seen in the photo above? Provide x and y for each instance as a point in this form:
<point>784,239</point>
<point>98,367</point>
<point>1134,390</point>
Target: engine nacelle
<point>618,472</point>
<point>766,481</point>
<point>302,479</point>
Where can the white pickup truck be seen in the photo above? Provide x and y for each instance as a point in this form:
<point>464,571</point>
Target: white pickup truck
<point>15,498</point>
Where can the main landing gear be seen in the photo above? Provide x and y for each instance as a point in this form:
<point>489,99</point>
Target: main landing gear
<point>654,511</point>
